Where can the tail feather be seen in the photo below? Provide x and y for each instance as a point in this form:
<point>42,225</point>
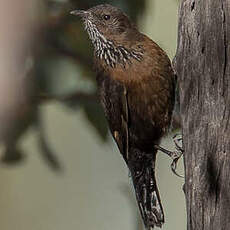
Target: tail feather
<point>142,171</point>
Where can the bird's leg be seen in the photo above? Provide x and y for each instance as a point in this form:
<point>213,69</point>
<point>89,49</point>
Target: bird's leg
<point>175,155</point>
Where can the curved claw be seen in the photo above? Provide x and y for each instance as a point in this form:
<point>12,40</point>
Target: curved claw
<point>175,156</point>
<point>174,166</point>
<point>178,140</point>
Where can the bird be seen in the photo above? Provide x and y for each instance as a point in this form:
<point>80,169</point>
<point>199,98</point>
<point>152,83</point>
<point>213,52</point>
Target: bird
<point>136,85</point>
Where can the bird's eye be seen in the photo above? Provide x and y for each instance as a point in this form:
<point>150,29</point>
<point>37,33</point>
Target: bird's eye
<point>106,17</point>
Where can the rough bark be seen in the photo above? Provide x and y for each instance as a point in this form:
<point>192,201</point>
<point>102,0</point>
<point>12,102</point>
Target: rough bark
<point>202,64</point>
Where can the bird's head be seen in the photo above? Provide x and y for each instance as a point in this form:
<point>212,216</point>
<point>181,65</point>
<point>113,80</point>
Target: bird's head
<point>110,30</point>
<point>104,21</point>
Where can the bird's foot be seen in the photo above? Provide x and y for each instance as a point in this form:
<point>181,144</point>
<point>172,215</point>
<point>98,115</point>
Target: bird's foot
<point>174,155</point>
<point>178,141</point>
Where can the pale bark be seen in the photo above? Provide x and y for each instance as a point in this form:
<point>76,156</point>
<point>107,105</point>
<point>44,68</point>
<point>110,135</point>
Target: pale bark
<point>203,69</point>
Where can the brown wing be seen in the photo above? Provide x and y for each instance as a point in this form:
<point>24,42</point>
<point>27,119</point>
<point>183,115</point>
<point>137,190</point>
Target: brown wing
<point>150,86</point>
<point>113,97</point>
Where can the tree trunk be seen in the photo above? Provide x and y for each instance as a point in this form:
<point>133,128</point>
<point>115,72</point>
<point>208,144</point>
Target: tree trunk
<point>202,64</point>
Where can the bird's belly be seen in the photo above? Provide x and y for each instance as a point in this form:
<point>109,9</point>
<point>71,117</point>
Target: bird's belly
<point>149,117</point>
<point>143,133</point>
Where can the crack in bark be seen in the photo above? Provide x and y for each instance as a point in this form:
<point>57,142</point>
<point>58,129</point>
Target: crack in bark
<point>225,39</point>
<point>217,189</point>
<point>193,5</point>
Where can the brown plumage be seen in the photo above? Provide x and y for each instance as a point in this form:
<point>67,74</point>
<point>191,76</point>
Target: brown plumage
<point>136,86</point>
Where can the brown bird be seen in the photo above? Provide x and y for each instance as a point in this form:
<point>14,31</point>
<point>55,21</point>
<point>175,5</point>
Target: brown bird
<point>136,86</point>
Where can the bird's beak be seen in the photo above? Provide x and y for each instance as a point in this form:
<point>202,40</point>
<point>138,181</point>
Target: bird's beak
<point>81,13</point>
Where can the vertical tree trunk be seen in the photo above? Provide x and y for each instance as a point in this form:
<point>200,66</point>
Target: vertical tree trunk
<point>202,64</point>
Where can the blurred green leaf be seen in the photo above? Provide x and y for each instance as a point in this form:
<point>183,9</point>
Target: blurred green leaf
<point>95,116</point>
<point>12,155</point>
<point>60,76</point>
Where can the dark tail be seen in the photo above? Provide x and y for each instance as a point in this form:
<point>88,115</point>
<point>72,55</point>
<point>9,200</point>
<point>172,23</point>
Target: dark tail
<point>142,168</point>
